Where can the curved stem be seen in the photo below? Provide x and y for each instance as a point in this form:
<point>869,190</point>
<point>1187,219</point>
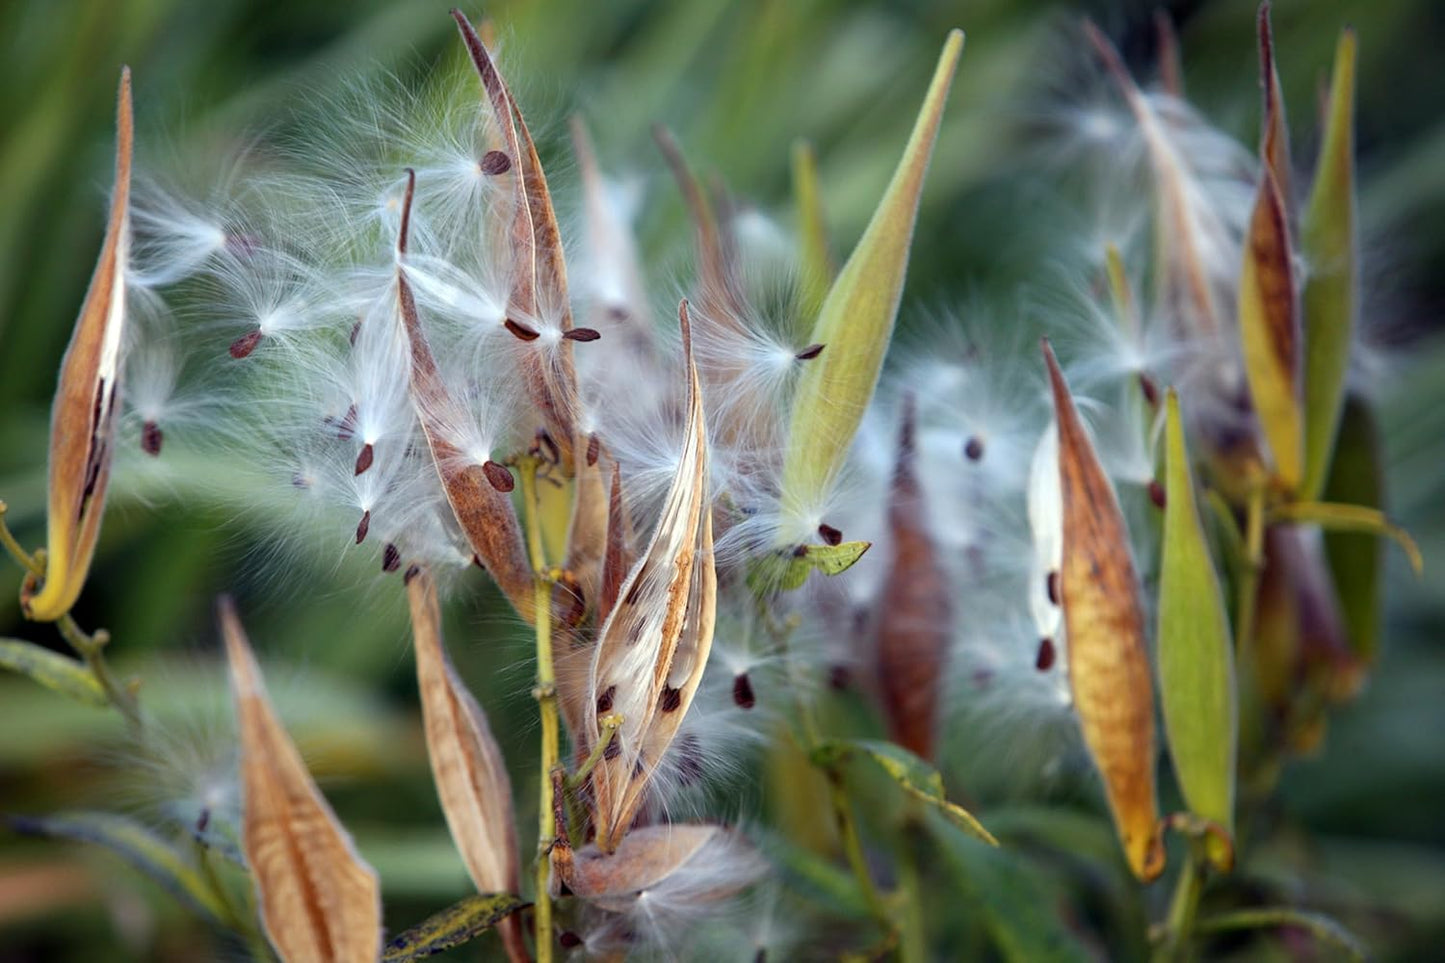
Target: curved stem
<point>1252,569</point>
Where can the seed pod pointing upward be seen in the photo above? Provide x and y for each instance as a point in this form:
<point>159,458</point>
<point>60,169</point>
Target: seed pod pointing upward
<point>1108,664</point>
<point>652,649</point>
<point>318,900</point>
<point>82,419</point>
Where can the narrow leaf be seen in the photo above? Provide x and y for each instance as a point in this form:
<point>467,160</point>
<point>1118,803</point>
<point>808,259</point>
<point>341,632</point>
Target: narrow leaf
<point>317,900</point>
<point>1356,561</point>
<point>1015,908</point>
<point>466,762</point>
<point>484,512</point>
<point>82,417</point>
<point>57,672</point>
<point>1270,335</point>
<point>139,847</point>
<point>914,626</point>
<point>1104,619</point>
<point>1196,654</point>
<point>915,776</point>
<point>1274,136</point>
<point>651,651</point>
<point>1331,296</point>
<point>1318,925</point>
<point>1351,518</point>
<point>459,923</point>
<point>856,319</point>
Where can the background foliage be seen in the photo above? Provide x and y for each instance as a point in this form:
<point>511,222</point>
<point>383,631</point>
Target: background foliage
<point>1357,827</point>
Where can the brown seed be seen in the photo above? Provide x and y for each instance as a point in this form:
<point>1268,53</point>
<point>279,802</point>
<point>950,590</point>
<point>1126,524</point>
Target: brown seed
<point>671,699</point>
<point>569,940</point>
<point>743,691</point>
<point>973,448</point>
<point>521,330</point>
<point>1052,585</point>
<point>355,330</point>
<point>363,526</point>
<point>245,344</point>
<point>810,352</point>
<point>412,571</point>
<point>829,534</point>
<point>495,162</point>
<point>364,460</point>
<point>582,334</point>
<point>604,701</point>
<point>840,677</point>
<point>151,438</point>
<point>594,448</point>
<point>1156,494</point>
<point>1150,389</point>
<point>499,476</point>
<point>390,558</point>
<point>800,551</point>
<point>203,820</point>
<point>1044,661</point>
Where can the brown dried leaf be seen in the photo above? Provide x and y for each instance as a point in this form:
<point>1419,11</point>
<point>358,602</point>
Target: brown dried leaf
<point>718,298</point>
<point>1274,136</point>
<point>82,418</point>
<point>539,275</point>
<point>913,628</point>
<point>610,245</point>
<point>317,899</point>
<point>485,514</point>
<point>466,762</point>
<point>1108,663</point>
<point>652,649</point>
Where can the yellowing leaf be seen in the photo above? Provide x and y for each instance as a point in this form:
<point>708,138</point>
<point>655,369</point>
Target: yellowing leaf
<point>1196,654</point>
<point>1331,296</point>
<point>1269,333</point>
<point>651,651</point>
<point>787,569</point>
<point>914,626</point>
<point>317,899</point>
<point>466,762</point>
<point>856,320</point>
<point>483,511</point>
<point>1104,619</point>
<point>1274,139</point>
<point>82,418</point>
<point>459,923</point>
<point>1351,518</point>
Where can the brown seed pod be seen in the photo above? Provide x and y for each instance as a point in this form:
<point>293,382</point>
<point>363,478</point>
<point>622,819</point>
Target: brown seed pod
<point>1108,662</point>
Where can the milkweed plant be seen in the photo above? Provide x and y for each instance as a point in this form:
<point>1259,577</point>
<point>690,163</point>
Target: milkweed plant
<point>782,573</point>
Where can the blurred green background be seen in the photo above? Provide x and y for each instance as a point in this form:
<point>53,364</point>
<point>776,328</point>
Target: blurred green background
<point>1358,827</point>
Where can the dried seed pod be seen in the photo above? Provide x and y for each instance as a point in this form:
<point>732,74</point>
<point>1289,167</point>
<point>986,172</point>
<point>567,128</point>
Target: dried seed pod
<point>466,762</point>
<point>317,899</point>
<point>652,649</point>
<point>914,623</point>
<point>654,855</point>
<point>485,513</point>
<point>1104,621</point>
<point>539,270</point>
<point>82,417</point>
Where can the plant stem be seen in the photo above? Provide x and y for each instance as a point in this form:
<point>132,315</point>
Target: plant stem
<point>1182,908</point>
<point>92,649</point>
<point>1252,569</point>
<point>13,547</point>
<point>610,724</point>
<point>546,695</point>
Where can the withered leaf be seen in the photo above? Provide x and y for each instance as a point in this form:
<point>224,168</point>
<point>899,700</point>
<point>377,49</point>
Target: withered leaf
<point>484,512</point>
<point>82,417</point>
<point>318,900</point>
<point>1104,619</point>
<point>466,762</point>
<point>1274,139</point>
<point>913,627</point>
<point>657,637</point>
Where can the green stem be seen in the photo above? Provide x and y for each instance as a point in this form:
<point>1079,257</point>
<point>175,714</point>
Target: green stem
<point>13,547</point>
<point>1182,908</point>
<point>913,944</point>
<point>92,649</point>
<point>546,695</point>
<point>1252,569</point>
<point>610,724</point>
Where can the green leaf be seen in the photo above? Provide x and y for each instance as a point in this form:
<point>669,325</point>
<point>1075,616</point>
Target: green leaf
<point>1357,478</point>
<point>1329,245</point>
<point>1021,921</point>
<point>1350,518</point>
<point>912,774</point>
<point>788,569</point>
<point>815,264</point>
<point>855,323</point>
<point>1322,927</point>
<point>139,847</point>
<point>457,924</point>
<point>1196,655</point>
<point>53,670</point>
